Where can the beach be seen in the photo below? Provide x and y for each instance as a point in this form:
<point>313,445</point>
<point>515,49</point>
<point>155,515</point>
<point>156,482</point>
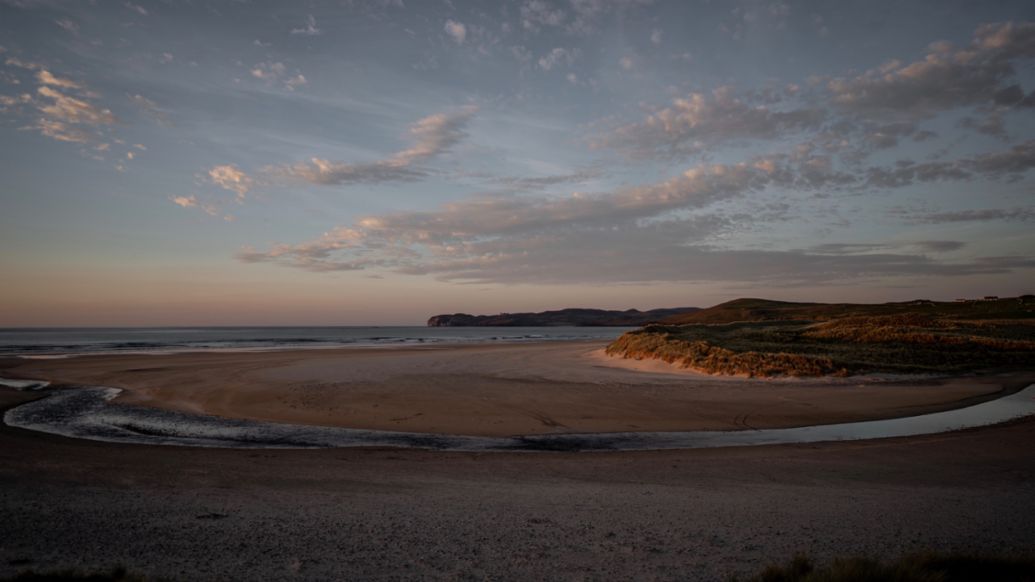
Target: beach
<point>495,390</point>
<point>208,514</point>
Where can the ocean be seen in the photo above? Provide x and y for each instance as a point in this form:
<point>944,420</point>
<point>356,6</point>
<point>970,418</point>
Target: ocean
<point>64,342</point>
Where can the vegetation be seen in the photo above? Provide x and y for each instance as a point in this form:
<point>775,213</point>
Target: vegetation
<point>842,339</point>
<point>765,310</point>
<point>927,567</point>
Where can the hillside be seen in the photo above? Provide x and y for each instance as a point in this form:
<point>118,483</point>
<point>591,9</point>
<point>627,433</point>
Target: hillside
<point>756,337</point>
<point>749,309</point>
<point>561,317</point>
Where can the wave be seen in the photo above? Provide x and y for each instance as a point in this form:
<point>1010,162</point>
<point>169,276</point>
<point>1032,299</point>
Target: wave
<point>93,346</point>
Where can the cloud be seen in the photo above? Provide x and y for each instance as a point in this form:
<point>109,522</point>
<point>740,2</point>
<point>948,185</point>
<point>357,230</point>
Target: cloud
<point>328,173</point>
<point>1010,164</point>
<point>192,201</point>
<point>137,8</point>
<point>851,116</point>
<point>530,183</point>
<point>945,78</point>
<point>185,201</point>
<point>432,136</point>
<point>667,251</point>
<point>702,120</point>
<point>151,108</point>
<point>28,65</point>
<point>537,13</point>
<point>1021,214</point>
<point>230,177</point>
<point>437,133</point>
<point>575,258</point>
<point>558,56</point>
<point>14,102</point>
<point>274,72</point>
<point>588,13</point>
<point>68,25</point>
<point>474,225</point>
<point>46,78</point>
<point>68,109</point>
<point>665,231</point>
<point>61,131</point>
<point>309,29</point>
<point>656,37</point>
<point>931,246</point>
<point>456,30</point>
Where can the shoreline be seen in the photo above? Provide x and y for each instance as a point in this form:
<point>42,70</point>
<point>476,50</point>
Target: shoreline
<point>497,390</point>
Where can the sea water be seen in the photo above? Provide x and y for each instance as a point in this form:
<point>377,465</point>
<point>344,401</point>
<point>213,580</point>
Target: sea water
<point>63,342</point>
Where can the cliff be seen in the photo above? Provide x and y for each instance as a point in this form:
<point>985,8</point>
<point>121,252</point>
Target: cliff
<point>561,317</point>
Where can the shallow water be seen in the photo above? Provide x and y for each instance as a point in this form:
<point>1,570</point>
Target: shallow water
<point>87,413</point>
<point>61,343</point>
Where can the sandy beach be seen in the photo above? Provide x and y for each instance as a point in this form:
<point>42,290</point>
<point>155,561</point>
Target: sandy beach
<point>214,514</point>
<point>217,514</point>
<point>496,390</point>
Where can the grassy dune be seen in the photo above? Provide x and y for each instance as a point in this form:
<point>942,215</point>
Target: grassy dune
<point>843,339</point>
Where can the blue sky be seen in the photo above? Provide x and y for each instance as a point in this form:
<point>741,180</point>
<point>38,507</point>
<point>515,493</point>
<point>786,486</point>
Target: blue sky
<point>379,162</point>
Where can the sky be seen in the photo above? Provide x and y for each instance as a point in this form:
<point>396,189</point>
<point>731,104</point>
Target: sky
<point>376,163</point>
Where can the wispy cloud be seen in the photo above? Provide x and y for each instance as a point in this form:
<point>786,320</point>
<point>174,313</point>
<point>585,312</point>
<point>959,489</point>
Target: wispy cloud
<point>137,8</point>
<point>927,246</point>
<point>432,136</point>
<point>230,177</point>
<point>456,30</point>
<point>310,28</point>
<point>982,73</point>
<point>68,25</point>
<point>192,202</point>
<point>851,116</point>
<point>699,121</point>
<point>151,108</point>
<point>275,72</point>
<point>557,57</point>
<point>1009,165</point>
<point>1021,214</point>
<point>655,232</point>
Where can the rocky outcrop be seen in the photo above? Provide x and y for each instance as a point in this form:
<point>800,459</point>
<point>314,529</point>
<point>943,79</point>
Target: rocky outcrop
<point>561,317</point>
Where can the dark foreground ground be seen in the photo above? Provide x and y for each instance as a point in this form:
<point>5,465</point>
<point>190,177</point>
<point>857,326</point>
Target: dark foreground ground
<point>200,514</point>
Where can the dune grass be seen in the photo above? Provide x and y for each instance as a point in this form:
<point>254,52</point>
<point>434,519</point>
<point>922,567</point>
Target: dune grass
<point>908,343</point>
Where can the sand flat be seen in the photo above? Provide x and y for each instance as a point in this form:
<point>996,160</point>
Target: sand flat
<point>495,390</point>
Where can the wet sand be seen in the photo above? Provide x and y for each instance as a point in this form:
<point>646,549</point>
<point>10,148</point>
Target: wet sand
<point>497,390</point>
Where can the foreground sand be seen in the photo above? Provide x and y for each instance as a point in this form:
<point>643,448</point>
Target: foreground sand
<point>217,514</point>
<point>495,390</point>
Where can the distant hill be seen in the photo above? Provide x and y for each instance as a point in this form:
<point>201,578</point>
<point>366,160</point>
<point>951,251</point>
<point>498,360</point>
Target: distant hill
<point>750,309</point>
<point>561,317</point>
